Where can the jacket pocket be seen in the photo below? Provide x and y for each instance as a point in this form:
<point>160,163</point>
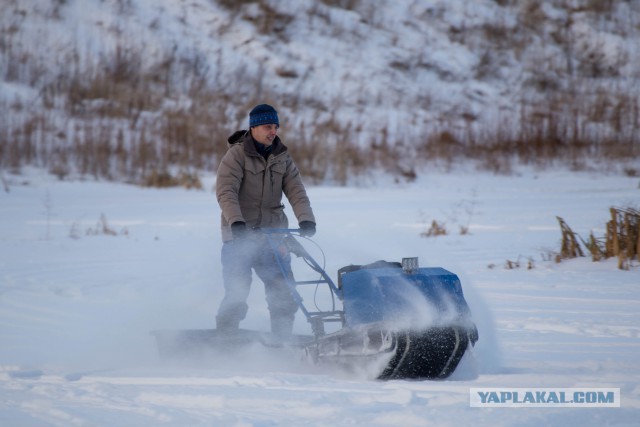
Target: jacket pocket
<point>254,167</point>
<point>278,217</point>
<point>277,171</point>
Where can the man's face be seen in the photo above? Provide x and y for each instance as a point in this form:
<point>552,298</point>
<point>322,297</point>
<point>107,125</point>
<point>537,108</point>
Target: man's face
<point>264,134</point>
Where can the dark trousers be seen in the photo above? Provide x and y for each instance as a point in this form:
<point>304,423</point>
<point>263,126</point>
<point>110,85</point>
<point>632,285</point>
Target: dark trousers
<point>239,258</point>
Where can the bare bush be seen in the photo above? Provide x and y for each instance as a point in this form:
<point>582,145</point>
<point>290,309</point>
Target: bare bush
<point>622,239</point>
<point>127,115</point>
<point>164,179</point>
<point>103,228</point>
<point>436,229</point>
<point>343,4</point>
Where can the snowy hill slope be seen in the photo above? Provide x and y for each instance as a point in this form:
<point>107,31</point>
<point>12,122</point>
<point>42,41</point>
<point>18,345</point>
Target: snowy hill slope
<point>385,72</point>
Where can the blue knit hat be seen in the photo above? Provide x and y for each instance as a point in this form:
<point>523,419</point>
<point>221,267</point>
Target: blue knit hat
<point>263,114</point>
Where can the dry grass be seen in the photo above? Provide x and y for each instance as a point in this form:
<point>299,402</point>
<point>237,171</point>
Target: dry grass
<point>570,247</point>
<point>622,239</point>
<point>164,179</point>
<point>436,229</point>
<point>623,236</point>
<point>102,228</point>
<point>124,120</point>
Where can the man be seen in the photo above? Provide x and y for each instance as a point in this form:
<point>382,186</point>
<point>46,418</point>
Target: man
<point>252,177</point>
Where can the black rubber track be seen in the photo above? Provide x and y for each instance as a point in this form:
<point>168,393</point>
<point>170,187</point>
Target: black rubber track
<point>431,354</point>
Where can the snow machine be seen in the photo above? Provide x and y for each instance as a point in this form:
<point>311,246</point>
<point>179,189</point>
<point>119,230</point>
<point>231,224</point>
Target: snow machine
<point>403,321</point>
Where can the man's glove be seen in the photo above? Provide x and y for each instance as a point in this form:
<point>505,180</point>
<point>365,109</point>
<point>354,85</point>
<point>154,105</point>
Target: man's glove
<point>307,228</point>
<point>239,230</point>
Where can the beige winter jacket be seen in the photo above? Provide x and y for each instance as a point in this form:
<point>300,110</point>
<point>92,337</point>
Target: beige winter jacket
<point>249,188</point>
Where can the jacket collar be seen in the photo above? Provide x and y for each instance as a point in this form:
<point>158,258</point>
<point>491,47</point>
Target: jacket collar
<point>250,147</point>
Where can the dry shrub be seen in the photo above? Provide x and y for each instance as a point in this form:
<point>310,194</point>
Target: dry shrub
<point>436,229</point>
<point>103,228</point>
<point>623,236</point>
<point>570,247</point>
<point>122,120</point>
<point>271,21</point>
<point>531,14</point>
<point>164,179</point>
<point>513,265</point>
<point>595,247</point>
<point>443,145</point>
<point>326,151</point>
<point>598,6</point>
<point>311,158</point>
<point>126,118</point>
<point>622,239</point>
<point>342,4</point>
<point>266,18</point>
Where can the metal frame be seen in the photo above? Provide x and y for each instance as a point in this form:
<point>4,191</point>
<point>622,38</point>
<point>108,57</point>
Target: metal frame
<point>279,236</point>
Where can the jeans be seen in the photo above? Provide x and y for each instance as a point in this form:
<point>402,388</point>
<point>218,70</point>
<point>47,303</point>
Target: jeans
<point>239,258</point>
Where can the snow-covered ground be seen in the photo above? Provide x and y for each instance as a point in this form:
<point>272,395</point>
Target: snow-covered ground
<point>77,305</point>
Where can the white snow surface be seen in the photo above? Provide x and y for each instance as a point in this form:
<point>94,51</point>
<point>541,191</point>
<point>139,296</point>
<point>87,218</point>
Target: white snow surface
<point>77,307</point>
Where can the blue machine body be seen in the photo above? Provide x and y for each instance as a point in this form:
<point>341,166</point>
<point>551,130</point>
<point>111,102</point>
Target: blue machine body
<point>388,293</point>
